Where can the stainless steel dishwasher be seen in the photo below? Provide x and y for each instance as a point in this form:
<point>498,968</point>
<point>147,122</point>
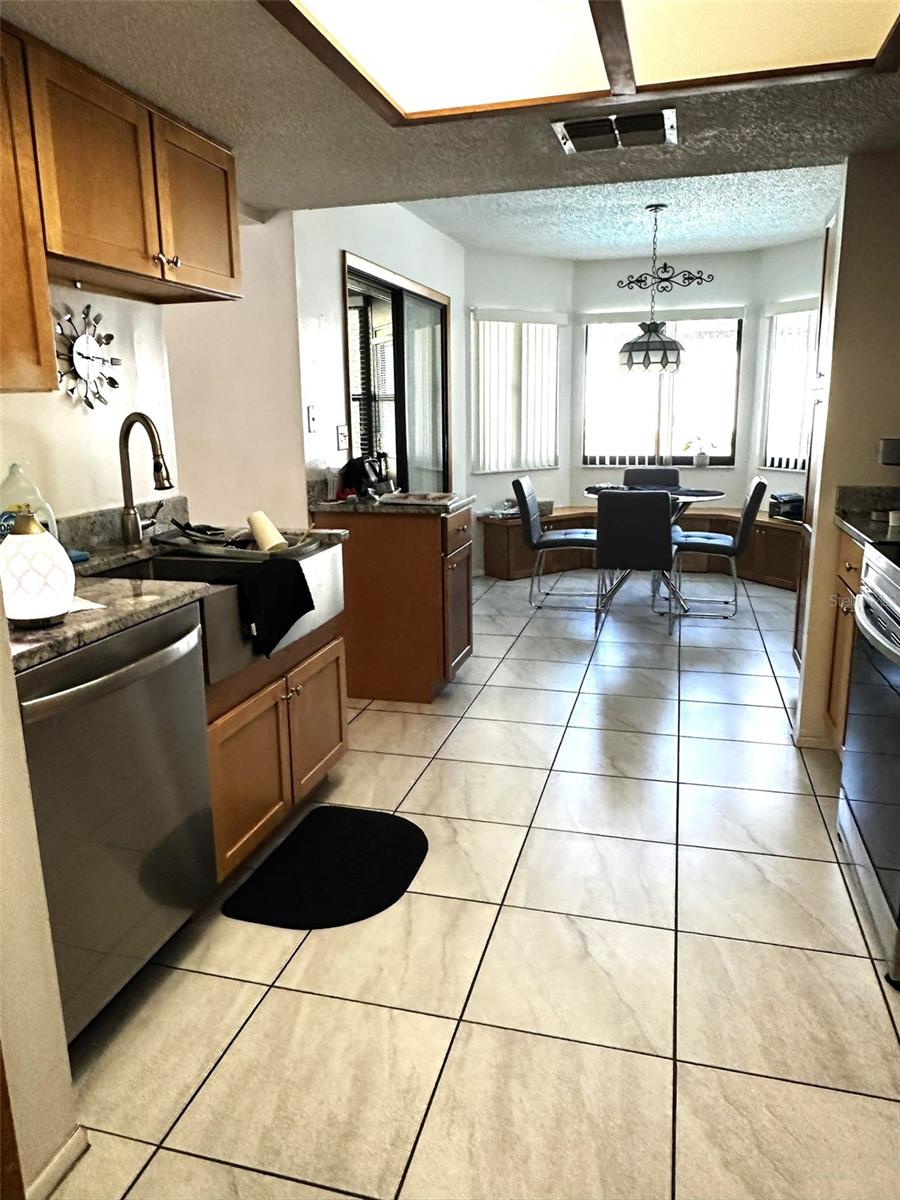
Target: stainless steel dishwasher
<point>115,735</point>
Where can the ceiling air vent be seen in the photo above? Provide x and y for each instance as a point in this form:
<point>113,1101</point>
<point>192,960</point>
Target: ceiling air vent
<point>617,132</point>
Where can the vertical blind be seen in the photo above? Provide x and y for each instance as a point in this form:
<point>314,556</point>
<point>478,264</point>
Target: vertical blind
<point>792,352</point>
<point>515,396</point>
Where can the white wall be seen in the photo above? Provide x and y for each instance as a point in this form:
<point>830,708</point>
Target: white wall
<point>538,285</point>
<point>751,280</point>
<point>391,237</point>
<point>235,378</point>
<point>31,1025</point>
<point>74,451</point>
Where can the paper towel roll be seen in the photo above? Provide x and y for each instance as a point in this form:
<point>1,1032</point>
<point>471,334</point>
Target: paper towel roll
<point>264,532</point>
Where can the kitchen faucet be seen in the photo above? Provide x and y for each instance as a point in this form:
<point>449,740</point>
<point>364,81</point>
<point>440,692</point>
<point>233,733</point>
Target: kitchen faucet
<point>132,525</point>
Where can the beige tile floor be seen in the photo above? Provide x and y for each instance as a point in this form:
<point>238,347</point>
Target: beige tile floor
<point>630,966</point>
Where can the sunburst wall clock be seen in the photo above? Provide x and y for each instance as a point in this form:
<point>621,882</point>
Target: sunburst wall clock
<point>84,363</point>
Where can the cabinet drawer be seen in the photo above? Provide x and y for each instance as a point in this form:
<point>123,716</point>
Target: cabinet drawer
<point>457,530</point>
<point>849,562</point>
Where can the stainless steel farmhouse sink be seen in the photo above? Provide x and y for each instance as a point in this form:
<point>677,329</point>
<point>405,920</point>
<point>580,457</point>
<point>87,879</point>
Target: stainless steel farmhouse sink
<point>225,648</point>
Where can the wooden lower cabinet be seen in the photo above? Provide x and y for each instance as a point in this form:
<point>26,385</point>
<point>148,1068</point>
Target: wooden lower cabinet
<point>457,608</point>
<point>269,752</point>
<point>841,660</point>
<point>317,693</point>
<point>249,774</point>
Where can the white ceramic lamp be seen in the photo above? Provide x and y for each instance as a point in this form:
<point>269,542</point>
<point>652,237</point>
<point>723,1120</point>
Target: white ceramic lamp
<point>36,574</point>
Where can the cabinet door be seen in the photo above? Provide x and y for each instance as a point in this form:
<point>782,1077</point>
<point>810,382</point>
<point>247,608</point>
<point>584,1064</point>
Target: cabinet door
<point>250,774</point>
<point>95,162</point>
<point>27,351</point>
<point>457,609</point>
<point>197,209</point>
<point>841,660</point>
<point>317,705</point>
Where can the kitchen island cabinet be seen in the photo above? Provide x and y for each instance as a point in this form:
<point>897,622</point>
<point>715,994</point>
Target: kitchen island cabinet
<point>407,596</point>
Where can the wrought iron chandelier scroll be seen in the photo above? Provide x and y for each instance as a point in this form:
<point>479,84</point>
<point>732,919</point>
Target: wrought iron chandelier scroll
<point>653,349</point>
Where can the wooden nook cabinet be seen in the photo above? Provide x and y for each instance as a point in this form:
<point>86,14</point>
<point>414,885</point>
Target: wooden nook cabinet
<point>772,557</point>
<point>27,351</point>
<point>268,751</point>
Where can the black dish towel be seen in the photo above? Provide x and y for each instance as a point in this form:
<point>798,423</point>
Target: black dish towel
<point>272,597</point>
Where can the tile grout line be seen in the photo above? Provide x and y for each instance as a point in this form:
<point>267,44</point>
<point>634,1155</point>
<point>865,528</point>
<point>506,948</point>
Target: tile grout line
<point>471,988</point>
<point>267,988</point>
<point>831,838</point>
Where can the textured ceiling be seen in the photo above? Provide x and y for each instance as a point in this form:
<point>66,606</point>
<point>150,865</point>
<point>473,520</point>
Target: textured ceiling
<point>712,212</point>
<point>303,140</point>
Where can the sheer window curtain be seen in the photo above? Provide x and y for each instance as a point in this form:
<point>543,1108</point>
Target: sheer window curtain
<point>515,384</point>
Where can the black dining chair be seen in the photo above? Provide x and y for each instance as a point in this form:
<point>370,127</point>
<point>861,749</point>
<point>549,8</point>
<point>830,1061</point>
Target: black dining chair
<point>724,545</point>
<point>661,476</point>
<point>539,541</point>
<point>634,533</point>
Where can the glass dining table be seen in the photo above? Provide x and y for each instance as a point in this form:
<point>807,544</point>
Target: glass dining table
<point>683,497</point>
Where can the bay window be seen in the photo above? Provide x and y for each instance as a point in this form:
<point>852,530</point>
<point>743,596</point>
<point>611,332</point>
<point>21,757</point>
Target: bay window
<point>635,418</point>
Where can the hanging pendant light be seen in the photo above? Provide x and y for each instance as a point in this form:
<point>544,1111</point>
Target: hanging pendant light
<point>653,349</point>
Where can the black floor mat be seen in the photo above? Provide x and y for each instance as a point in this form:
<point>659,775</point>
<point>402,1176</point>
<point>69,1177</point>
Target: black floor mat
<point>340,865</point>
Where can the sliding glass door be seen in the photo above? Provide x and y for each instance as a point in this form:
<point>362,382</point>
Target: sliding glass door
<point>424,371</point>
<point>397,376</point>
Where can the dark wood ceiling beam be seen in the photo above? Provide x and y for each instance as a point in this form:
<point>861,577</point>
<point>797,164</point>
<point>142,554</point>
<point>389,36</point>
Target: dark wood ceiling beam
<point>612,34</point>
<point>327,53</point>
<point>888,57</point>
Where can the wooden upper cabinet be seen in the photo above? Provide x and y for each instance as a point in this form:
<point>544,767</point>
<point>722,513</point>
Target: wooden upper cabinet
<point>27,349</point>
<point>197,209</point>
<point>95,160</point>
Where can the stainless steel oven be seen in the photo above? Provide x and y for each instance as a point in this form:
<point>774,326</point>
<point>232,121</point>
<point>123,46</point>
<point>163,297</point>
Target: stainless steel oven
<point>869,807</point>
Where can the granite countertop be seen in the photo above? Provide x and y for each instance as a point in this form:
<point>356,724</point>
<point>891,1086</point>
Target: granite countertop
<point>864,530</point>
<point>454,503</point>
<point>126,602</point>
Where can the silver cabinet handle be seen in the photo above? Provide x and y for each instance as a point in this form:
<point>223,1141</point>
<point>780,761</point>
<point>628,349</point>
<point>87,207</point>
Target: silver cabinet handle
<point>166,262</point>
<point>849,567</point>
<point>294,691</point>
<point>175,262</point>
<point>49,706</point>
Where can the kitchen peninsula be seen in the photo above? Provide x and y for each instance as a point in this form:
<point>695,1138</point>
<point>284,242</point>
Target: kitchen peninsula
<point>407,591</point>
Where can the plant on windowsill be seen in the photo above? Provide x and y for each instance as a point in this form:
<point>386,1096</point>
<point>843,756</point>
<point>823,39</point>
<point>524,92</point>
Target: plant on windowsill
<point>701,454</point>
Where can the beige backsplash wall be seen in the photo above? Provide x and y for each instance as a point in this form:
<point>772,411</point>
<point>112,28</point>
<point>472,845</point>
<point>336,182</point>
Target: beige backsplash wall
<point>235,371</point>
<point>73,451</point>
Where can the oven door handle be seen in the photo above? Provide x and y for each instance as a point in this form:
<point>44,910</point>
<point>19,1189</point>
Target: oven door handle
<point>889,649</point>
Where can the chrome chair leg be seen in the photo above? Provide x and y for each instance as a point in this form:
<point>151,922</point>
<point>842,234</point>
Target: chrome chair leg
<point>730,605</point>
<point>536,576</point>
